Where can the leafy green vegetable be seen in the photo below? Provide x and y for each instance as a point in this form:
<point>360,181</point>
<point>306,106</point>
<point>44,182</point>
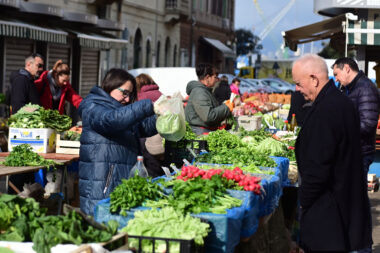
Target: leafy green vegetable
<point>272,147</point>
<point>35,116</point>
<point>23,155</point>
<point>165,223</point>
<point>221,139</point>
<point>132,193</point>
<point>198,195</point>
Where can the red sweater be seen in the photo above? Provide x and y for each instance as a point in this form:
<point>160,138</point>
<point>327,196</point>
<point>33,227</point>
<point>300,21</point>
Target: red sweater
<point>46,98</point>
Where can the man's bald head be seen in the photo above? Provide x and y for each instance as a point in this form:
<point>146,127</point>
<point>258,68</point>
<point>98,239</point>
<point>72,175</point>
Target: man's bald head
<point>310,73</point>
<point>313,64</point>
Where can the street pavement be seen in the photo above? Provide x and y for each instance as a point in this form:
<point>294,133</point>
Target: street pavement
<point>375,208</point>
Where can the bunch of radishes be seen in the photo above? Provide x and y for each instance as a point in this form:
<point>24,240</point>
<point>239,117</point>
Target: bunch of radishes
<point>248,182</point>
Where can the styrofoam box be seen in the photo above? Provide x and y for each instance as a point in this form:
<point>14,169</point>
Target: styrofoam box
<point>42,140</point>
<point>249,123</point>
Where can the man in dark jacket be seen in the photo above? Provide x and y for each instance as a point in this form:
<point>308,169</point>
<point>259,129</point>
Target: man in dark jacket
<point>203,111</point>
<point>22,89</point>
<point>223,91</point>
<point>363,93</point>
<point>335,212</point>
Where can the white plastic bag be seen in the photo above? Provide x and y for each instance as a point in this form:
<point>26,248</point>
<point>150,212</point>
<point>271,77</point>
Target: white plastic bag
<point>170,123</point>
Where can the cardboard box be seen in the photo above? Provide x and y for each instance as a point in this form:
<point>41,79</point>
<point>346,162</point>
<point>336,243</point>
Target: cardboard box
<point>67,147</point>
<point>42,140</point>
<point>249,123</point>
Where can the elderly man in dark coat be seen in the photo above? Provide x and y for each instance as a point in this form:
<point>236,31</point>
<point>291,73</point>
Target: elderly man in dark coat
<point>335,212</point>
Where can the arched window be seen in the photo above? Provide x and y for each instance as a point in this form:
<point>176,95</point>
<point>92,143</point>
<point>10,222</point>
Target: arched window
<point>175,56</point>
<point>137,54</point>
<point>148,54</point>
<point>167,51</point>
<point>158,54</point>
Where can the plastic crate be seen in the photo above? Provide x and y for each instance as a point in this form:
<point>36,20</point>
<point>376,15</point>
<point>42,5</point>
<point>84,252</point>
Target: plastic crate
<point>175,152</point>
<point>186,246</point>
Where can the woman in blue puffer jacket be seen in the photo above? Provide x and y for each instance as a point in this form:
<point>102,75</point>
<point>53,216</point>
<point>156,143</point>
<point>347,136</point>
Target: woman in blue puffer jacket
<point>112,126</point>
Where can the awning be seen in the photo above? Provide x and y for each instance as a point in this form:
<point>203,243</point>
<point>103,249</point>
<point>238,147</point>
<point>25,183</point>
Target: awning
<point>365,31</point>
<point>317,31</point>
<point>101,42</point>
<point>228,52</point>
<point>26,31</point>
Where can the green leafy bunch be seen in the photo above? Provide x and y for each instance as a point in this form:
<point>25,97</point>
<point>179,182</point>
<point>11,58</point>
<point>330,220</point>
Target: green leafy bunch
<point>221,139</point>
<point>35,116</point>
<point>165,223</point>
<point>15,213</point>
<point>198,195</point>
<point>49,231</point>
<point>132,193</point>
<point>23,155</point>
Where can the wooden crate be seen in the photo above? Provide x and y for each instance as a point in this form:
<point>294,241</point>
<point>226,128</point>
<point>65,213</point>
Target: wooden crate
<point>67,147</point>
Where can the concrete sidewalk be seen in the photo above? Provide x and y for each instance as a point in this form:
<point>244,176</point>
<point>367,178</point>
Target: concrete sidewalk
<point>375,208</point>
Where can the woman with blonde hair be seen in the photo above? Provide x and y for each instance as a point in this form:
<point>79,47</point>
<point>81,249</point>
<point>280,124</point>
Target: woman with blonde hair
<point>54,88</point>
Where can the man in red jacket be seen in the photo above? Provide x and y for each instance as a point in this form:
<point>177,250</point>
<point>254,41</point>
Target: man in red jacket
<point>54,88</point>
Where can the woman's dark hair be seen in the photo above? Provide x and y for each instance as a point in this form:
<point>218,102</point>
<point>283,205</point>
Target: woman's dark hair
<point>205,69</point>
<point>117,77</point>
<point>142,80</point>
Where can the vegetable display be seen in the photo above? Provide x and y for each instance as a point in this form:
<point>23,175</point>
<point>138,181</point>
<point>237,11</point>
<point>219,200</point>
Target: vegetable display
<point>23,220</point>
<point>23,155</point>
<point>165,223</point>
<point>235,179</point>
<point>132,193</point>
<point>197,196</point>
<point>35,116</point>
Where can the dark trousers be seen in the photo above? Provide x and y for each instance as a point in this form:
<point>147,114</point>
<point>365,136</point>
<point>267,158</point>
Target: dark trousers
<point>367,161</point>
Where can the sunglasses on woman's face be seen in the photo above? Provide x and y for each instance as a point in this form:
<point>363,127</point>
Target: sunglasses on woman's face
<point>126,93</point>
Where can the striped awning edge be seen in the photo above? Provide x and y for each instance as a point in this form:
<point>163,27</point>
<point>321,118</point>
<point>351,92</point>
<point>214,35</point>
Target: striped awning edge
<point>26,31</point>
<point>101,42</point>
<point>365,31</point>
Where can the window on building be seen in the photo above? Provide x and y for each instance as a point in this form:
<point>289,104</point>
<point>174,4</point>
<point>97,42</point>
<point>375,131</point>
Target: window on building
<point>137,54</point>
<point>148,54</point>
<point>175,56</point>
<point>158,54</point>
<point>167,52</point>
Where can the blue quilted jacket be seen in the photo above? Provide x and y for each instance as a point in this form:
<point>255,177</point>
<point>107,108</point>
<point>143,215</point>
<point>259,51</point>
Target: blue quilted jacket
<point>365,96</point>
<point>109,143</point>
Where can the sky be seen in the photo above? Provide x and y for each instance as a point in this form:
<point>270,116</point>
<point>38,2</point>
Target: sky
<point>300,14</point>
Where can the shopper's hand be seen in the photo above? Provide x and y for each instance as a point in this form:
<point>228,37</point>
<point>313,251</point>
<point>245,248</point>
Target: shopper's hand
<point>229,104</point>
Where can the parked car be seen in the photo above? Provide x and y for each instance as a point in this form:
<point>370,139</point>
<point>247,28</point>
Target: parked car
<point>259,85</point>
<point>279,84</point>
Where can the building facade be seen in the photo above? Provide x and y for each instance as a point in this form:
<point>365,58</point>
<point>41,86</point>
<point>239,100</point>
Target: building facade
<point>92,36</point>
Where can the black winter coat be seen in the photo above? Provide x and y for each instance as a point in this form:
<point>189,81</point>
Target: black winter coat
<point>109,143</point>
<point>365,96</point>
<point>222,92</point>
<point>23,90</point>
<point>335,212</point>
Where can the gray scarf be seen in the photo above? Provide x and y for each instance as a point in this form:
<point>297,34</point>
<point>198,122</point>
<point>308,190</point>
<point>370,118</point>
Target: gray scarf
<point>54,88</point>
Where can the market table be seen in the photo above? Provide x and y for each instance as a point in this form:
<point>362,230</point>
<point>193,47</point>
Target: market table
<point>63,159</point>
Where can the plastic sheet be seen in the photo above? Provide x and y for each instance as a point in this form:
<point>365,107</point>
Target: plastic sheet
<point>273,191</point>
<point>283,166</point>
